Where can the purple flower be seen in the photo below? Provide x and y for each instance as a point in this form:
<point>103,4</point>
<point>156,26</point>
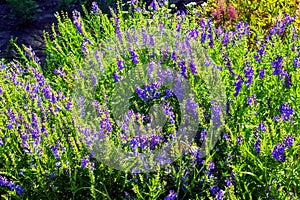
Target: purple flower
<point>262,73</point>
<point>178,27</point>
<point>118,31</point>
<point>297,61</point>
<point>262,127</point>
<point>227,181</point>
<point>55,152</point>
<point>92,166</point>
<point>216,111</point>
<point>286,111</point>
<point>168,110</point>
<point>134,57</point>
<point>84,48</point>
<point>191,107</point>
<point>181,64</point>
<point>151,40</point>
<point>288,141</point>
<point>144,36</point>
<point>276,118</point>
<point>209,33</point>
<point>288,80</point>
<point>203,35</point>
<point>82,75</point>
<point>155,139</point>
<point>278,153</point>
<point>179,89</point>
<point>277,66</point>
<point>260,52</point>
<point>77,22</point>
<point>211,165</point>
<point>239,140</point>
<point>194,33</point>
<point>69,105</point>
<point>193,68</point>
<point>11,115</point>
<point>34,121</point>
<point>203,135</point>
<point>116,76</point>
<point>95,8</point>
<point>52,175</point>
<point>220,195</point>
<point>257,146</point>
<point>249,72</point>
<point>59,71</point>
<point>47,92</point>
<point>31,55</point>
<point>1,90</point>
<point>9,126</point>
<point>257,58</point>
<point>4,182</point>
<point>282,27</point>
<point>251,100</point>
<point>153,5</point>
<point>94,79</point>
<point>227,63</point>
<point>169,93</point>
<point>19,189</point>
<point>148,92</point>
<point>171,196</point>
<point>84,162</point>
<point>214,190</point>
<point>225,39</point>
<point>238,85</point>
<point>228,107</point>
<point>289,19</point>
<point>120,65</point>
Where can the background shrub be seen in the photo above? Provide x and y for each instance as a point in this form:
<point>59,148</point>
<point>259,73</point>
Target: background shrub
<point>24,11</point>
<point>261,15</point>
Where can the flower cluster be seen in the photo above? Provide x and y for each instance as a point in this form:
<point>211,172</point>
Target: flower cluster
<point>150,91</point>
<point>279,149</point>
<point>6,183</point>
<point>286,111</point>
<point>278,153</point>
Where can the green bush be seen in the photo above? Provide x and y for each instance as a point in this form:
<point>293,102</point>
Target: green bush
<point>45,155</point>
<point>24,11</point>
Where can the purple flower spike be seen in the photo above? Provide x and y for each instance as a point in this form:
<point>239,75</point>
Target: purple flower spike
<point>116,76</point>
<point>277,66</point>
<point>77,22</point>
<point>262,73</point>
<point>238,85</point>
<point>278,153</point>
<point>288,141</point>
<point>262,127</point>
<point>249,72</point>
<point>181,64</point>
<point>257,146</point>
<point>134,57</point>
<point>171,196</point>
<point>84,162</point>
<point>95,8</point>
<point>286,111</point>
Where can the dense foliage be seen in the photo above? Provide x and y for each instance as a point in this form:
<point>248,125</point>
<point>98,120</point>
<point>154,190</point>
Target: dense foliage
<point>43,154</point>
